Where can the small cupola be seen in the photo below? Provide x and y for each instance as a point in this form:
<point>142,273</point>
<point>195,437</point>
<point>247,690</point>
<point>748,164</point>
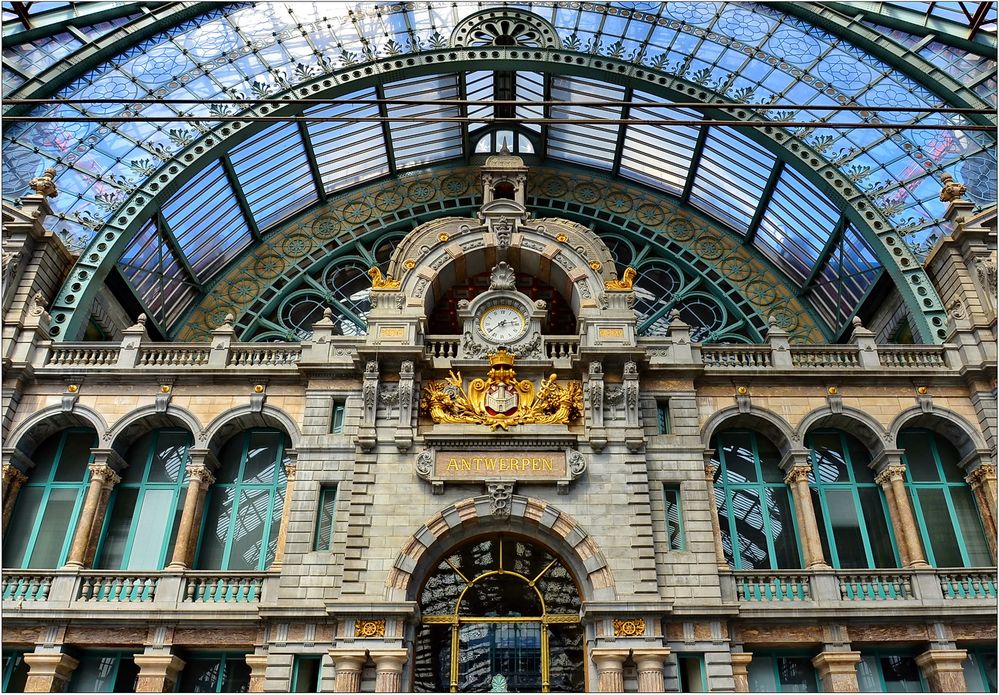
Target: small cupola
<point>504,177</point>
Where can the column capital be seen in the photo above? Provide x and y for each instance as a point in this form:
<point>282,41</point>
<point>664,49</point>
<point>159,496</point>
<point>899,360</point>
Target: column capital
<point>943,659</point>
<point>741,660</point>
<point>886,458</point>
<point>258,669</point>
<point>348,659</point>
<point>389,659</point>
<point>256,662</point>
<point>203,457</point>
<point>650,658</point>
<point>157,672</point>
<point>13,475</point>
<point>12,456</point>
<point>290,470</point>
<point>838,661</point>
<point>894,471</point>
<point>201,473</point>
<point>49,671</point>
<point>798,473</point>
<point>796,458</point>
<point>104,474</point>
<point>609,657</point>
<point>982,473</point>
<point>710,469</point>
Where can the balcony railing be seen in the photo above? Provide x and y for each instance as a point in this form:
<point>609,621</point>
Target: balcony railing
<point>117,588</point>
<point>22,586</point>
<point>870,586</point>
<point>228,588</point>
<point>769,586</point>
<point>968,585</point>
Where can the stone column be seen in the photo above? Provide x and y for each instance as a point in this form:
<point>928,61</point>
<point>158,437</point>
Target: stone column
<point>49,672</point>
<point>710,471</point>
<point>650,669</point>
<point>158,673</point>
<point>388,669</point>
<point>838,671</point>
<point>258,669</point>
<point>943,670</point>
<point>610,668</point>
<point>740,670</point>
<point>798,466</point>
<point>13,479</point>
<point>891,478</point>
<point>290,470</point>
<point>982,480</point>
<point>348,664</point>
<point>199,479</point>
<point>103,478</point>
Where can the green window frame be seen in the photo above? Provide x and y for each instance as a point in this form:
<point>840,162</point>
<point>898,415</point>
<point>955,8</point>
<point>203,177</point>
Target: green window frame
<point>338,416</point>
<point>214,672</point>
<point>243,508</point>
<point>40,531</point>
<point>877,669</point>
<point>326,519</point>
<point>850,507</point>
<point>663,421</point>
<point>691,673</point>
<point>756,513</point>
<point>104,672</point>
<point>777,672</point>
<point>945,509</point>
<point>15,671</point>
<point>675,535</point>
<point>980,669</point>
<point>145,498</point>
<point>306,675</point>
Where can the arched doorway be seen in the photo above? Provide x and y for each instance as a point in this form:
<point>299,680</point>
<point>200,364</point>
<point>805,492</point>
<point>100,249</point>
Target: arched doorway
<point>499,613</point>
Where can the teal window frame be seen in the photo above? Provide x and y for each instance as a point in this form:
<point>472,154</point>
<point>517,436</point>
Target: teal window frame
<point>13,662</point>
<point>822,488</point>
<point>275,490</point>
<point>327,494</point>
<point>976,662</point>
<point>338,416</point>
<point>144,486</point>
<point>773,657</point>
<point>296,672</point>
<point>48,485</point>
<point>223,658</point>
<point>663,421</point>
<point>879,654</point>
<point>681,672</point>
<point>946,487</point>
<point>111,680</point>
<point>761,488</point>
<point>676,538</point>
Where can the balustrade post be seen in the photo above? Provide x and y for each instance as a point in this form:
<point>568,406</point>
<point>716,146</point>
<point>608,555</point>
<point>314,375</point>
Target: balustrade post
<point>838,671</point>
<point>103,478</point>
<point>14,466</point>
<point>798,466</point>
<point>158,672</point>
<point>650,663</point>
<point>610,668</point>
<point>943,670</point>
<point>388,669</point>
<point>290,469</point>
<point>131,344</point>
<point>779,341</point>
<point>258,670</point>
<point>710,471</point>
<point>740,670</point>
<point>48,672</point>
<point>982,479</point>
<point>891,478</point>
<point>222,338</point>
<point>200,478</point>
<point>348,664</point>
<point>866,345</point>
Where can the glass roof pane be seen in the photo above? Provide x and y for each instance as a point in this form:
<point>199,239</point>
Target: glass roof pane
<point>273,171</point>
<point>530,87</point>
<point>730,177</point>
<point>348,153</point>
<point>479,87</point>
<point>585,144</point>
<point>659,155</point>
<point>206,220</point>
<point>154,272</point>
<point>416,143</point>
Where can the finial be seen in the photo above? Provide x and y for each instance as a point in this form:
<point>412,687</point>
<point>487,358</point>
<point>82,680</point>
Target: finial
<point>504,149</point>
<point>952,190</point>
<point>141,321</point>
<point>772,321</point>
<point>857,323</point>
<point>227,321</point>
<point>327,314</point>
<point>44,185</point>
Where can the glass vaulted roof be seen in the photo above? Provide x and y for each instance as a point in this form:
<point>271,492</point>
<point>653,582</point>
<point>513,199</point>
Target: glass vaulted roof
<point>754,53</point>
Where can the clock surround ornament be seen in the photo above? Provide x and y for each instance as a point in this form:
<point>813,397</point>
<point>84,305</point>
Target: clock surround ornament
<point>501,317</point>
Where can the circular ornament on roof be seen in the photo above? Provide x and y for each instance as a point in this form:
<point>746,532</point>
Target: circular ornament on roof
<point>356,212</point>
<point>242,291</point>
<point>650,214</point>
<point>505,27</point>
<point>269,266</point>
<point>680,229</point>
<point>326,227</point>
<point>760,293</point>
<point>388,200</point>
<point>421,191</point>
<point>786,319</point>
<point>978,173</point>
<point>586,193</point>
<point>619,201</point>
<point>710,247</point>
<point>554,187</point>
<point>297,245</point>
<point>454,186</point>
<point>692,12</point>
<point>736,269</point>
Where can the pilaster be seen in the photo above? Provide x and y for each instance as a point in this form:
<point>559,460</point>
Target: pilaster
<point>650,663</point>
<point>838,671</point>
<point>388,669</point>
<point>290,470</point>
<point>49,672</point>
<point>740,670</point>
<point>258,667</point>
<point>610,668</point>
<point>943,670</point>
<point>348,664</point>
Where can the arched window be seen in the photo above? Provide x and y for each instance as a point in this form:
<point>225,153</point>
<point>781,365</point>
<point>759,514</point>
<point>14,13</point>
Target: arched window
<point>44,518</point>
<point>849,505</point>
<point>243,509</point>
<point>145,507</point>
<point>948,519</point>
<point>499,613</point>
<point>755,513</point>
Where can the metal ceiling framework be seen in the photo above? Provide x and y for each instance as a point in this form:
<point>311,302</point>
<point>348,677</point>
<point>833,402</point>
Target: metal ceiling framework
<point>602,74</point>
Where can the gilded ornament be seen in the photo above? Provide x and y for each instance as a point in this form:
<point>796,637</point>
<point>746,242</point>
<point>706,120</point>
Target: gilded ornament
<point>165,388</point>
<point>742,390</point>
<point>561,237</point>
<point>833,390</point>
<point>952,190</point>
<point>382,283</point>
<point>409,264</point>
<point>629,627</point>
<point>259,388</point>
<point>922,390</point>
<point>595,265</point>
<point>443,236</point>
<point>626,282</point>
<point>501,400</point>
<point>73,388</point>
<point>369,628</point>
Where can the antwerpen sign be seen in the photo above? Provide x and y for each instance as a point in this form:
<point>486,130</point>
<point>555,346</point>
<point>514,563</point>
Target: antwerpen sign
<point>560,466</point>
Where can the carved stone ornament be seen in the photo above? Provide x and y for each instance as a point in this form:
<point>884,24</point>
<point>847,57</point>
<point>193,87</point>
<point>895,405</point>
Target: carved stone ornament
<point>629,627</point>
<point>502,277</point>
<point>614,394</point>
<point>37,304</point>
<point>980,475</point>
<point>369,628</point>
<point>626,282</point>
<point>952,190</point>
<point>501,492</point>
<point>894,471</point>
<point>388,394</point>
<point>577,463</point>
<point>797,473</point>
<point>425,464</point>
<point>44,185</point>
<point>501,401</point>
<point>382,283</point>
<point>530,349</point>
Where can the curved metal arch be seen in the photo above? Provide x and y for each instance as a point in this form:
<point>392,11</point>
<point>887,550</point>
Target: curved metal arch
<point>24,435</point>
<point>972,437</point>
<point>495,573</point>
<point>182,417</point>
<point>852,421</point>
<point>772,423</point>
<point>108,244</point>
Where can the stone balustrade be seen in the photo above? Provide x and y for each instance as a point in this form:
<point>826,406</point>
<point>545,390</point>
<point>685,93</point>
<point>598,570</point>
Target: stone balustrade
<point>441,346</point>
<point>741,357</point>
<point>213,587</point>
<point>772,586</point>
<point>25,586</point>
<point>875,586</point>
<point>116,588</point>
<point>968,584</point>
<point>264,355</point>
<point>77,355</point>
<point>173,355</point>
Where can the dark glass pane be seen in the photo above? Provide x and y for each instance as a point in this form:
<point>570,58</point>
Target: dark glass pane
<point>762,678</point>
<point>170,457</point>
<point>261,456</point>
<point>272,535</point>
<point>500,595</point>
<point>782,529</point>
<point>876,517</point>
<point>830,464</point>
<point>559,591</point>
<point>432,663</point>
<point>116,535</point>
<point>137,456</point>
<point>54,528</point>
<point>324,529</point>
<point>747,511</point>
<point>796,675</point>
<point>565,669</point>
<point>441,592</point>
<point>971,527</point>
<point>940,528</point>
<point>128,674</point>
<point>919,456</point>
<point>901,674</point>
<point>95,674</point>
<point>15,672</point>
<point>724,526</point>
<point>200,676</point>
<point>861,459</point>
<point>154,520</point>
<point>820,517</point>
<point>22,521</point>
<point>44,458</point>
<point>217,522</point>
<point>248,530</point>
<point>75,456</point>
<point>868,674</point>
<point>524,558</point>
<point>769,460</point>
<point>841,512</point>
<point>237,676</point>
<point>673,529</point>
<point>949,458</point>
<point>737,450</point>
<point>230,459</point>
<point>306,674</point>
<point>494,655</point>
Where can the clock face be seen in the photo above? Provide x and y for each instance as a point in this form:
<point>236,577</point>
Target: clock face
<point>502,323</point>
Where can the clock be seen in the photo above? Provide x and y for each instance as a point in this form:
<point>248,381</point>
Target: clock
<point>502,323</point>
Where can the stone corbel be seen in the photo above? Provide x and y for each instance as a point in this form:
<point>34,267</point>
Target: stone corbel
<point>258,397</point>
<point>404,431</point>
<point>576,465</point>
<point>743,399</point>
<point>425,470</point>
<point>501,491</point>
<point>72,394</point>
<point>163,395</point>
<point>924,399</point>
<point>834,399</point>
<point>634,438</point>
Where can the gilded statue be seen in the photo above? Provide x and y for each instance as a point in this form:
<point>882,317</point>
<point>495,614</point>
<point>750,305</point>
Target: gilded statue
<point>44,185</point>
<point>952,190</point>
<point>626,282</point>
<point>382,283</point>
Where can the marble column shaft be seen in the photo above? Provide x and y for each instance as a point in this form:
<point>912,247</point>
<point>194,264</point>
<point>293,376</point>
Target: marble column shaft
<point>740,670</point>
<point>944,670</point>
<point>13,479</point>
<point>102,480</point>
<point>200,479</point>
<point>983,485</point>
<point>801,496</point>
<point>838,671</point>
<point>290,472</point>
<point>710,471</point>
<point>892,481</point>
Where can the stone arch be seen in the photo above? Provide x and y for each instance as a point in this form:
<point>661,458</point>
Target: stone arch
<point>474,516</point>
<point>130,427</point>
<point>47,421</point>
<point>856,422</point>
<point>761,420</point>
<point>227,424</point>
<point>948,424</point>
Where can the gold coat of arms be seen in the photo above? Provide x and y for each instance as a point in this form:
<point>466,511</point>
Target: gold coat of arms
<point>501,400</point>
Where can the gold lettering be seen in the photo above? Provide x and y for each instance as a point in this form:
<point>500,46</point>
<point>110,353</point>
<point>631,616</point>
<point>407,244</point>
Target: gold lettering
<point>491,463</point>
<point>466,465</point>
<point>549,464</point>
<point>452,464</point>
